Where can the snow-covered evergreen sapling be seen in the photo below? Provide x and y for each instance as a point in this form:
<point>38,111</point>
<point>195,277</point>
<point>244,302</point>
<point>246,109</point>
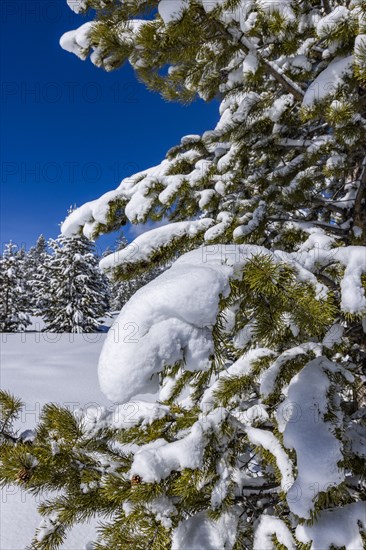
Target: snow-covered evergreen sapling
<point>15,298</point>
<point>254,339</point>
<point>37,259</point>
<point>74,289</point>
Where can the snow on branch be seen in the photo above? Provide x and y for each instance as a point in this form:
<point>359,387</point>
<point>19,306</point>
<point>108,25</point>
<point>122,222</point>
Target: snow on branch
<point>150,242</point>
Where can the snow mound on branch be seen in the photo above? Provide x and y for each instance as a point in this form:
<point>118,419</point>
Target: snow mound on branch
<point>328,81</point>
<point>172,319</point>
<point>327,24</point>
<point>316,251</point>
<point>156,461</point>
<point>172,10</point>
<point>269,526</point>
<point>338,527</point>
<point>301,420</point>
<point>77,6</point>
<point>133,192</point>
<point>77,41</point>
<point>201,533</point>
<point>269,377</point>
<point>124,416</point>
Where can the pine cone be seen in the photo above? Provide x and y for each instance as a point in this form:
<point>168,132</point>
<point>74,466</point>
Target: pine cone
<point>24,475</point>
<point>136,480</point>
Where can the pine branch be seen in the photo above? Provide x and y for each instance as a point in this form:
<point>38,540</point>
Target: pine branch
<point>328,205</point>
<point>271,67</point>
<point>323,225</point>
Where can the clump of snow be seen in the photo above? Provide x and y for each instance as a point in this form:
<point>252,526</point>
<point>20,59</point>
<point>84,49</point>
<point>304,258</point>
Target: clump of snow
<point>124,416</point>
<point>360,46</point>
<point>47,526</point>
<point>154,462</point>
<point>301,420</point>
<point>327,24</point>
<point>339,527</point>
<point>317,251</point>
<point>77,6</point>
<point>163,508</point>
<point>250,63</point>
<point>284,7</point>
<point>201,533</point>
<point>353,259</point>
<point>173,318</point>
<point>279,107</point>
<point>171,10</point>
<point>329,80</point>
<point>269,526</point>
<point>224,220</point>
<point>77,41</point>
<point>254,221</point>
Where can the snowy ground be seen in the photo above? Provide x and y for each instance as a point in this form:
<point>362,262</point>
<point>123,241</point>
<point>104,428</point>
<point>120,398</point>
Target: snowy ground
<point>41,368</point>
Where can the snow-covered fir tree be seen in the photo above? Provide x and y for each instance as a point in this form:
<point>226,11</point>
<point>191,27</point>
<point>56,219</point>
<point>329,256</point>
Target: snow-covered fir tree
<point>15,299</point>
<point>75,292</point>
<point>37,259</point>
<point>254,340</point>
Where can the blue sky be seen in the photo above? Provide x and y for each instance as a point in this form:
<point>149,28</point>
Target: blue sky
<point>71,131</point>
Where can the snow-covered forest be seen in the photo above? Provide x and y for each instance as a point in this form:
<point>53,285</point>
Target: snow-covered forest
<point>61,282</point>
<point>235,413</point>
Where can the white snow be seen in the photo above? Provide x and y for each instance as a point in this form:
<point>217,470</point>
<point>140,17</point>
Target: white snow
<point>317,251</point>
<point>269,441</point>
<point>173,318</point>
<point>284,7</point>
<point>360,45</point>
<point>269,526</point>
<point>77,5</point>
<point>327,24</point>
<point>154,462</point>
<point>77,41</point>
<point>300,418</point>
<point>338,527</point>
<point>279,106</point>
<point>224,220</point>
<point>250,63</point>
<point>172,10</point>
<point>270,375</point>
<point>328,81</point>
<point>200,533</point>
<point>333,336</point>
<point>42,368</point>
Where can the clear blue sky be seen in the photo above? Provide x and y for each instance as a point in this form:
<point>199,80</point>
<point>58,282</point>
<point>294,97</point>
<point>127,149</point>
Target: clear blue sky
<point>71,131</point>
